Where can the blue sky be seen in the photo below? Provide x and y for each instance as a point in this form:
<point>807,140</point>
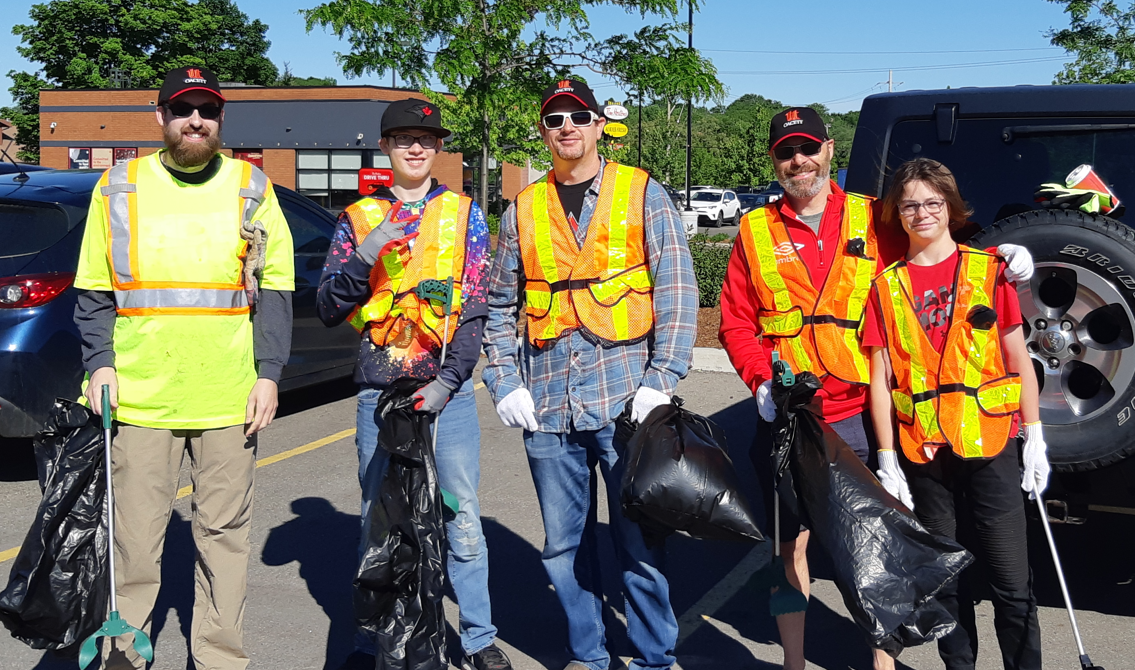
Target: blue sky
<point>750,39</point>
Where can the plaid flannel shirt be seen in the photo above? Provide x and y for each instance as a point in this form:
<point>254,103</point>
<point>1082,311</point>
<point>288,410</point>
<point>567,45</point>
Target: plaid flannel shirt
<point>577,384</point>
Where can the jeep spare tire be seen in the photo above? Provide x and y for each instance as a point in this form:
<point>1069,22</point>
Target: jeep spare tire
<point>1078,323</point>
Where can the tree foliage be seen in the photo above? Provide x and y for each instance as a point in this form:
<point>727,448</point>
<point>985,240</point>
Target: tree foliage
<point>83,43</point>
<point>1102,37</point>
<point>496,56</point>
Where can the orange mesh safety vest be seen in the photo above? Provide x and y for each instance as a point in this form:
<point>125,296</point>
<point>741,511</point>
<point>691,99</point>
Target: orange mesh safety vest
<point>814,330</point>
<point>394,311</point>
<point>606,287</point>
<point>962,398</point>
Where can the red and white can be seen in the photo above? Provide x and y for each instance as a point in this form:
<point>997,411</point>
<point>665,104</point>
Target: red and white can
<point>1084,177</point>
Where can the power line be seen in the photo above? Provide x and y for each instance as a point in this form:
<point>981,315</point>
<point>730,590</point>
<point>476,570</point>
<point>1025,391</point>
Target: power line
<point>948,66</point>
<point>871,53</point>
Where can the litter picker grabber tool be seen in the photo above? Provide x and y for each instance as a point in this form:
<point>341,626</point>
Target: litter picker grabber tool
<point>436,289</point>
<point>115,626</point>
<point>1085,662</point>
<point>787,599</point>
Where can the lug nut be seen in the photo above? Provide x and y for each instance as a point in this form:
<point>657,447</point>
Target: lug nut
<point>1033,347</point>
<point>1041,324</point>
<point>1065,325</point>
<point>1053,363</point>
<point>1075,349</point>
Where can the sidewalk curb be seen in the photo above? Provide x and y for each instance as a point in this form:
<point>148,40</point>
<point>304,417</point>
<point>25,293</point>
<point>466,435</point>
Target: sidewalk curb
<point>707,359</point>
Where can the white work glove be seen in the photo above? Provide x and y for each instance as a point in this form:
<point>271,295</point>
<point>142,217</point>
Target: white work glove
<point>1018,262</point>
<point>765,406</point>
<point>1034,473</point>
<point>517,410</point>
<point>893,478</point>
<point>646,399</point>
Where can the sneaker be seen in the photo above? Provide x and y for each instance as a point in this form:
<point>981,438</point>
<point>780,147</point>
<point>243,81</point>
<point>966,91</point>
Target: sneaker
<point>489,658</point>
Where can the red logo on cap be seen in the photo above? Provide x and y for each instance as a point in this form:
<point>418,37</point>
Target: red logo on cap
<point>193,73</point>
<point>427,111</point>
<point>792,115</point>
<point>566,83</point>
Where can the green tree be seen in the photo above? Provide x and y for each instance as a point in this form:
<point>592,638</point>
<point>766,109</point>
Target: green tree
<point>85,43</point>
<point>1102,37</point>
<point>288,78</point>
<point>495,56</point>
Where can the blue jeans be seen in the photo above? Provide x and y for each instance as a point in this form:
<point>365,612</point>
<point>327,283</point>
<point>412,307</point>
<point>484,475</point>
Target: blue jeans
<point>562,469</point>
<point>459,472</point>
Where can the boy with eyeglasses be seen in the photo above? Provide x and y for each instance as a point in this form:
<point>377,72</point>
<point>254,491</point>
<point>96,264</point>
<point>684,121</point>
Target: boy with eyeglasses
<point>385,245</point>
<point>597,255</point>
<point>797,284</point>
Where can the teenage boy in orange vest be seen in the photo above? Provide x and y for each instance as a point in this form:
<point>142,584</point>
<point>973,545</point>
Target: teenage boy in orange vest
<point>797,284</point>
<point>401,226</point>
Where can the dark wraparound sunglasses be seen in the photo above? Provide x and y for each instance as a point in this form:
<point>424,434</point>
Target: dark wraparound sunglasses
<point>182,110</point>
<point>784,153</point>
<point>581,119</point>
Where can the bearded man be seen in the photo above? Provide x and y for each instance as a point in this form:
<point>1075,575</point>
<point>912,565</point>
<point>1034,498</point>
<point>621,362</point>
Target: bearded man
<point>191,345</point>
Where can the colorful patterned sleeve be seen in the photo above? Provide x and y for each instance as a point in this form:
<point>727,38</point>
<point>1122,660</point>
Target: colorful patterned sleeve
<point>475,282</point>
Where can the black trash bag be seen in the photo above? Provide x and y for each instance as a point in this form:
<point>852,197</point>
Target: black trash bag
<point>58,589</point>
<point>887,566</point>
<point>678,477</point>
<point>400,581</point>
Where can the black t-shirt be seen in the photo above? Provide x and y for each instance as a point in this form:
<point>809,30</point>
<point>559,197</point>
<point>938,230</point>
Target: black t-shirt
<point>199,177</point>
<point>571,197</point>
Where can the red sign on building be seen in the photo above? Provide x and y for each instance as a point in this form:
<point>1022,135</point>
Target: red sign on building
<point>371,178</point>
<point>256,157</point>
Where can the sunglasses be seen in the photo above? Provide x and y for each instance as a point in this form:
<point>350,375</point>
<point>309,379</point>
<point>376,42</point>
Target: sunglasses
<point>182,110</point>
<point>582,119</point>
<point>407,141</point>
<point>784,153</point>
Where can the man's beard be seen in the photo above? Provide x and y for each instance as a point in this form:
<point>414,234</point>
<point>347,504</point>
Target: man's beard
<point>191,154</point>
<point>810,189</point>
<point>570,153</point>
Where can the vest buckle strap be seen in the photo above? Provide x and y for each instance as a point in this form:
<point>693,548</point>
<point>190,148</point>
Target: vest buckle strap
<point>821,319</point>
<point>569,285</point>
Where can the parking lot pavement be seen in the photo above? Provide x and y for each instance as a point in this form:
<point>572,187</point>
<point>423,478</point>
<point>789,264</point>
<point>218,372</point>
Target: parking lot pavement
<point>306,525</point>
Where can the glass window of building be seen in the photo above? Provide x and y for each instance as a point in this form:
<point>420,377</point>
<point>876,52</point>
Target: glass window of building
<point>331,177</point>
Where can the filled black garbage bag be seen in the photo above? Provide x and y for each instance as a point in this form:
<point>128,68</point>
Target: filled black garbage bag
<point>57,591</point>
<point>887,566</point>
<point>679,477</point>
<point>400,581</point>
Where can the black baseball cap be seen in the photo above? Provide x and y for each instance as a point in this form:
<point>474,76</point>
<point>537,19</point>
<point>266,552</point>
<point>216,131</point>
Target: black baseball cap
<point>796,122</point>
<point>191,78</point>
<point>570,87</point>
<point>413,114</point>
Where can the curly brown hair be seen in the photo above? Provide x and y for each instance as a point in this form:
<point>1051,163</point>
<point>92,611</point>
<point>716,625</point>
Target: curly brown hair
<point>935,175</point>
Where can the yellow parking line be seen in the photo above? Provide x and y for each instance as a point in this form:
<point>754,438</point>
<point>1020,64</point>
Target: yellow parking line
<point>267,460</point>
<point>478,385</point>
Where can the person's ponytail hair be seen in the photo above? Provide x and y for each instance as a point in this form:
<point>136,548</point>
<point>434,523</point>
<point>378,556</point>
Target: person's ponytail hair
<point>939,178</point>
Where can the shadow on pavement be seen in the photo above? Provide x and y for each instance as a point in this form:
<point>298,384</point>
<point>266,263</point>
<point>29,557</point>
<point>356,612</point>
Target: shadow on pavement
<point>324,541</point>
<point>19,460</point>
<point>301,400</point>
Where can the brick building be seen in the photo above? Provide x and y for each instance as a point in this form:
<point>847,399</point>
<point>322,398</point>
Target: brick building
<point>310,139</point>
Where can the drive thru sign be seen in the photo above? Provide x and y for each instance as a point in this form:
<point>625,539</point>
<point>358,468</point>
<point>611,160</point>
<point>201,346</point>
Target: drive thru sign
<point>371,178</point>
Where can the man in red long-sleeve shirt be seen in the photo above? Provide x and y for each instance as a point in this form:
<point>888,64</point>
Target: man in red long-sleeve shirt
<point>797,283</point>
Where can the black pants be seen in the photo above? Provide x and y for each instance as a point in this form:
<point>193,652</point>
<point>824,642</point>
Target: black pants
<point>988,494</point>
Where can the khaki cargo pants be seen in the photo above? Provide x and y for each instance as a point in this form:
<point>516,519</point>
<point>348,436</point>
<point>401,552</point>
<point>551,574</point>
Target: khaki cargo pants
<point>145,466</point>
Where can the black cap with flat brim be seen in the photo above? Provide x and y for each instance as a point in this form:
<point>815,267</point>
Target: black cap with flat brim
<point>184,79</point>
<point>572,88</point>
<point>413,114</point>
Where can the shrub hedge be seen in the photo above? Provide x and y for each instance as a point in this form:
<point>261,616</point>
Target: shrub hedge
<point>711,257</point>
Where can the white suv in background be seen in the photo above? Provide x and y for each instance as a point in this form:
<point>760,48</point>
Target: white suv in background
<point>715,206</point>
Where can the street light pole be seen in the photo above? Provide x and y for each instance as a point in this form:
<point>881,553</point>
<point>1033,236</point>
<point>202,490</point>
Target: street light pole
<point>640,127</point>
<point>689,117</point>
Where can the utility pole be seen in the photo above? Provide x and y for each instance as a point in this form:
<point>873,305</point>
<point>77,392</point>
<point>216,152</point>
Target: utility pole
<point>639,128</point>
<point>689,118</point>
<point>891,84</point>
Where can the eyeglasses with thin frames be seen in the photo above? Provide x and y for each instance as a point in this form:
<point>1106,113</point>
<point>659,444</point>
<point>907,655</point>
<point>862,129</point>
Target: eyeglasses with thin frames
<point>910,208</point>
<point>183,110</point>
<point>404,141</point>
<point>581,119</point>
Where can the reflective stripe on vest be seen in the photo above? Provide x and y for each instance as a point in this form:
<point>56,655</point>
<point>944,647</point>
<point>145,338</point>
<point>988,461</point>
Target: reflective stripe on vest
<point>815,329</point>
<point>394,310</point>
<point>137,296</point>
<point>605,287</point>
<point>962,397</point>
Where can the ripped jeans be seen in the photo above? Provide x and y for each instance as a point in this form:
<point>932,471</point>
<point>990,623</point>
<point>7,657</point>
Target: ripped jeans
<point>459,472</point>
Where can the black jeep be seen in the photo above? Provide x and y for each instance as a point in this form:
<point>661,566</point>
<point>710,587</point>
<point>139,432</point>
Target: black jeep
<point>1002,144</point>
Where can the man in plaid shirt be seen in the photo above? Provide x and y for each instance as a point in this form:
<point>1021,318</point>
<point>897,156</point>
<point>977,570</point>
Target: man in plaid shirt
<point>570,378</point>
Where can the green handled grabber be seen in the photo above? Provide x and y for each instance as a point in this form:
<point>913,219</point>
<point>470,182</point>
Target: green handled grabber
<point>436,289</point>
<point>115,626</point>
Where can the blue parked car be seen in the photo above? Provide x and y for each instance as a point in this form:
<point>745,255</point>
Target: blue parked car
<point>42,215</point>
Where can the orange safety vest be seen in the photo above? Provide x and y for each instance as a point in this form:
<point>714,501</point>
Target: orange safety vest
<point>394,312</point>
<point>814,330</point>
<point>606,288</point>
<point>963,397</point>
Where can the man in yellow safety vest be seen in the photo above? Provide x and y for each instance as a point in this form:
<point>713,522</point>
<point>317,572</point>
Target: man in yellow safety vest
<point>192,346</point>
<point>387,245</point>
